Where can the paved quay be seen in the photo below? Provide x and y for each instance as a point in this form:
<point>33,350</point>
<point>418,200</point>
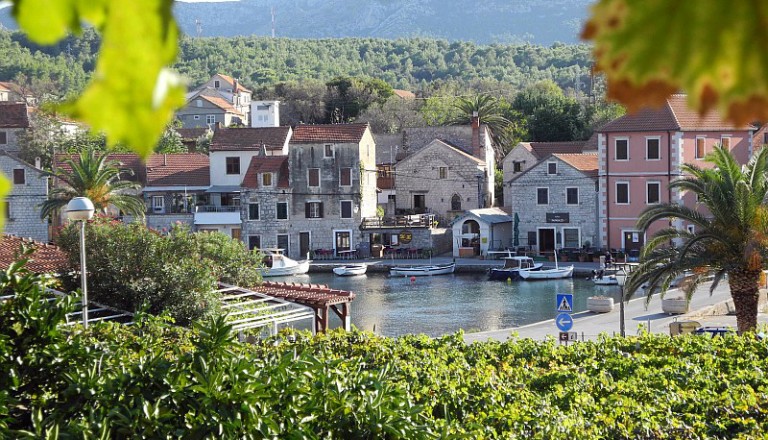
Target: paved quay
<point>706,309</point>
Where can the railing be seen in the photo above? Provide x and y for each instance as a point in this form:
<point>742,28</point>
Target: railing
<point>213,208</point>
<point>400,221</point>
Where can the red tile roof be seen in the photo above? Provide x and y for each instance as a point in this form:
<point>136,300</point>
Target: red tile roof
<point>13,115</point>
<point>336,133</point>
<point>586,163</point>
<point>126,160</point>
<point>404,94</point>
<point>220,103</point>
<point>191,133</point>
<point>231,82</point>
<point>178,169</point>
<point>46,258</point>
<point>543,149</point>
<point>267,164</point>
<point>674,115</point>
<point>234,139</point>
<point>4,87</point>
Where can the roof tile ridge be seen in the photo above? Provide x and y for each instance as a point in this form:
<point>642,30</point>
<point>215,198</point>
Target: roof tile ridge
<point>671,109</point>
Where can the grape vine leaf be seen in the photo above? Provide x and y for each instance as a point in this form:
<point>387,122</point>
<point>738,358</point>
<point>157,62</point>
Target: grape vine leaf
<point>132,94</point>
<point>716,51</point>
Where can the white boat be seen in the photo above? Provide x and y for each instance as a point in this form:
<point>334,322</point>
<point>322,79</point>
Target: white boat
<point>350,270</point>
<point>512,267</point>
<point>418,271</point>
<point>278,264</point>
<point>547,274</point>
<point>605,277</point>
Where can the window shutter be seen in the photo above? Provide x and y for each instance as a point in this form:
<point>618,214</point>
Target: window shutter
<point>306,210</point>
<point>320,214</point>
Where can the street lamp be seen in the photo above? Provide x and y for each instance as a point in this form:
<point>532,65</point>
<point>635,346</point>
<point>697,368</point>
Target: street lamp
<point>621,278</point>
<point>81,209</point>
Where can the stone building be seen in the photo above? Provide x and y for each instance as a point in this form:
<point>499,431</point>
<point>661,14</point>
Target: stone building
<point>222,100</point>
<point>14,119</point>
<point>22,204</point>
<point>557,202</point>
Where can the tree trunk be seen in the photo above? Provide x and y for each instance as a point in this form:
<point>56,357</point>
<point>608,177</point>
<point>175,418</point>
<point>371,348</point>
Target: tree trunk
<point>744,284</point>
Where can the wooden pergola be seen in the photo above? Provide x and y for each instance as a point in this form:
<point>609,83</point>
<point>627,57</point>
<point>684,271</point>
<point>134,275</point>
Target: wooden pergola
<point>248,309</point>
<point>320,298</point>
<point>96,312</point>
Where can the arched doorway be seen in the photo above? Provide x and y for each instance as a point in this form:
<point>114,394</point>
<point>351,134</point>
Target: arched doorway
<point>470,236</point>
<point>456,203</point>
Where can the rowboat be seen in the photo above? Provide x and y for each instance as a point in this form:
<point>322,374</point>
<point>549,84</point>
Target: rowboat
<point>419,271</point>
<point>547,274</point>
<point>512,268</point>
<point>278,264</point>
<point>350,270</point>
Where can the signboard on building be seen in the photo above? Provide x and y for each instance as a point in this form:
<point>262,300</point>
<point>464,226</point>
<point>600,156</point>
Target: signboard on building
<point>558,217</point>
<point>405,237</point>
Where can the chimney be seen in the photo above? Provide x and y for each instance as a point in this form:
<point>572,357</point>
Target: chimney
<point>234,89</point>
<point>477,147</point>
<point>263,150</point>
<point>165,160</point>
<point>37,162</point>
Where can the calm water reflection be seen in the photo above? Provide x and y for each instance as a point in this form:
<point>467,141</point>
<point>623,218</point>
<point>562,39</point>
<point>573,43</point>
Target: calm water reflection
<point>444,304</point>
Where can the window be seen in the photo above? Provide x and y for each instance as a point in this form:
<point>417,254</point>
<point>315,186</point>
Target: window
<point>725,141</point>
<point>542,196</point>
<point>442,172</point>
<point>233,165</point>
<point>262,107</point>
<point>313,210</point>
<point>19,176</point>
<point>328,150</point>
<point>517,166</point>
<point>199,103</point>
<point>456,203</point>
<point>3,137</point>
<point>653,192</point>
<point>622,193</point>
<point>391,198</point>
<point>551,167</point>
<point>230,199</point>
<point>254,241</point>
<point>216,84</point>
<point>571,196</point>
<point>652,149</point>
<point>571,238</point>
<point>196,117</point>
<point>282,210</point>
<point>346,209</point>
<point>345,177</point>
<point>419,201</point>
<point>235,233</point>
<point>283,242</point>
<point>253,211</point>
<point>313,177</point>
<point>622,149</point>
<point>700,147</point>
<point>266,179</point>
<point>210,119</point>
<point>158,204</point>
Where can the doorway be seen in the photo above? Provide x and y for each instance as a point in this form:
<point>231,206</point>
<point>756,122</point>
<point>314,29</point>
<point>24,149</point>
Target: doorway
<point>546,240</point>
<point>343,241</point>
<point>632,241</point>
<point>304,245</point>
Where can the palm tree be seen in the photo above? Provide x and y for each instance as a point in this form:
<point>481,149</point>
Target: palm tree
<point>97,178</point>
<point>489,112</point>
<point>730,235</point>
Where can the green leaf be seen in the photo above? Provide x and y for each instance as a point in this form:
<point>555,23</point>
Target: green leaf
<point>652,48</point>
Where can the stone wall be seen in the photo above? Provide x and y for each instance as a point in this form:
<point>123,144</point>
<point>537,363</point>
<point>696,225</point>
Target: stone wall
<point>24,201</point>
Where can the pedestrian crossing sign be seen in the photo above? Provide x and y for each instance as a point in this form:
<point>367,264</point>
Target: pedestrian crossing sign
<point>565,302</point>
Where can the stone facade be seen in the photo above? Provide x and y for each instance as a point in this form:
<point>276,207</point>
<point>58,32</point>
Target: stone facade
<point>441,178</point>
<point>200,113</point>
<point>521,156</point>
<point>545,224</point>
<point>29,191</point>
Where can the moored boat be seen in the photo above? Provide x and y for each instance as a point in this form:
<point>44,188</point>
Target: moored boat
<point>417,271</point>
<point>512,268</point>
<point>278,264</point>
<point>547,274</point>
<point>350,270</point>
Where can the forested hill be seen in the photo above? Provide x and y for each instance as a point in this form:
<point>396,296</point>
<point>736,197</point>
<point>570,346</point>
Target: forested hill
<point>483,21</point>
<point>413,64</point>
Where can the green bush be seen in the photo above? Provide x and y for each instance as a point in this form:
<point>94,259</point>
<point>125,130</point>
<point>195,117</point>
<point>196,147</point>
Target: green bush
<point>130,266</point>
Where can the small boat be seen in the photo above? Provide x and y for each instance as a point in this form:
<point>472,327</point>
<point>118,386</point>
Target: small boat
<point>605,277</point>
<point>418,271</point>
<point>278,264</point>
<point>547,274</point>
<point>512,267</point>
<point>350,270</point>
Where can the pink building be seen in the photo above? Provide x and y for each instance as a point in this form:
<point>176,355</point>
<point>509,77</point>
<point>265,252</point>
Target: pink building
<point>641,153</point>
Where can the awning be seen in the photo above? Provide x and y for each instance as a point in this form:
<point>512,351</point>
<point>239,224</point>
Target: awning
<point>223,189</point>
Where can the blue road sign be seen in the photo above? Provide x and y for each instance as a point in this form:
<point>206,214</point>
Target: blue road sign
<point>564,322</point>
<point>564,303</point>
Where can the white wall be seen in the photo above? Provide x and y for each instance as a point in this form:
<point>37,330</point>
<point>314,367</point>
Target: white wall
<point>218,171</point>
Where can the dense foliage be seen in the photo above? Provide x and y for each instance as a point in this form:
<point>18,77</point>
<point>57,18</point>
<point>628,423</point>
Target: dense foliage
<point>131,266</point>
<point>152,380</point>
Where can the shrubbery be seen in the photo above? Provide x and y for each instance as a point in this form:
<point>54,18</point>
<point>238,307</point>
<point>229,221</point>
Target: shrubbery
<point>153,380</point>
<point>130,265</point>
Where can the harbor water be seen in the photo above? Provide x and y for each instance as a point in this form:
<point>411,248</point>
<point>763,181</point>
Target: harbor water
<point>445,304</point>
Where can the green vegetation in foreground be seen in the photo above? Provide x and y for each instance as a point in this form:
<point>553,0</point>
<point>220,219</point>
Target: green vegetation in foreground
<point>153,380</point>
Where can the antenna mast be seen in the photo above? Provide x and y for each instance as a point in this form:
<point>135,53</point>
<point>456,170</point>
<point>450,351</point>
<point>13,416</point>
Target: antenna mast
<point>199,28</point>
<point>273,22</point>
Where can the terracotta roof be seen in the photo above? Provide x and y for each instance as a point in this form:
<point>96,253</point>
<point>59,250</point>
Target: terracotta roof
<point>231,82</point>
<point>4,87</point>
<point>127,160</point>
<point>178,169</point>
<point>404,94</point>
<point>267,164</point>
<point>543,149</point>
<point>191,133</point>
<point>220,103</point>
<point>307,294</point>
<point>46,258</point>
<point>674,115</point>
<point>14,115</point>
<point>336,133</point>
<point>586,163</point>
<point>238,139</point>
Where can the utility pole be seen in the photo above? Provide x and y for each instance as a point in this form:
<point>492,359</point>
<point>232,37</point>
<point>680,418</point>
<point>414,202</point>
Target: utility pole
<point>199,28</point>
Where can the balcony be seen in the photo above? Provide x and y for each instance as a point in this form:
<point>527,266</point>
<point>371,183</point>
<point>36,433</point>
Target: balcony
<point>424,221</point>
<point>213,208</point>
<point>217,215</point>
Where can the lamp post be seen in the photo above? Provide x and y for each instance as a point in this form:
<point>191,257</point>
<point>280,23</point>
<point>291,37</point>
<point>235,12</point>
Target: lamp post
<point>81,209</point>
<point>621,278</point>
